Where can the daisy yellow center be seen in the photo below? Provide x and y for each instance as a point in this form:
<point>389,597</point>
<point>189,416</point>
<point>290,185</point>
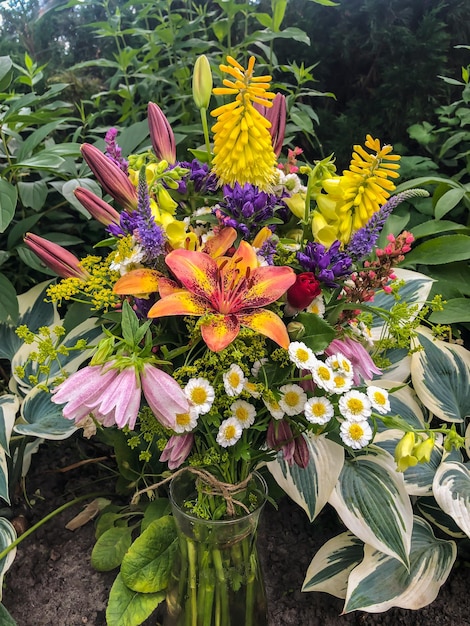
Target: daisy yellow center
<point>241,414</point>
<point>346,367</point>
<point>302,355</point>
<point>318,409</point>
<point>379,398</point>
<point>234,379</point>
<point>339,381</point>
<point>230,431</point>
<point>356,431</point>
<point>199,395</point>
<point>324,373</point>
<point>183,419</point>
<point>355,405</point>
<point>291,398</point>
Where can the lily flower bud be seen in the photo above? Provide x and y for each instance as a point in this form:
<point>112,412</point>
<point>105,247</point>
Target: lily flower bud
<point>113,180</point>
<point>161,134</point>
<point>277,116</point>
<point>96,206</point>
<point>56,258</point>
<point>202,82</point>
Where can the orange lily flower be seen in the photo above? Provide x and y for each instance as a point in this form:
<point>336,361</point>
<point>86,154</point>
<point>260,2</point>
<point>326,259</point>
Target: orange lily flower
<point>229,292</point>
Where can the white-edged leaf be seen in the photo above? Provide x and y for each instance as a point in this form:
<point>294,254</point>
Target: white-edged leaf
<point>415,290</point>
<point>451,489</point>
<point>381,582</point>
<point>441,378</point>
<point>431,511</point>
<point>311,487</point>
<point>43,418</point>
<point>7,537</point>
<point>9,405</point>
<point>400,365</point>
<point>330,567</point>
<point>371,499</point>
<point>403,402</point>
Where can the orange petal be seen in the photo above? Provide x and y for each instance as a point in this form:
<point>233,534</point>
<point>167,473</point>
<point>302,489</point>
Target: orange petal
<point>220,331</point>
<point>268,284</point>
<point>137,282</point>
<point>196,270</point>
<point>179,303</point>
<point>267,323</point>
<point>218,245</point>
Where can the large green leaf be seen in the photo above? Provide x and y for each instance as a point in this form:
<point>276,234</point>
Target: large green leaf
<point>381,582</point>
<point>8,199</point>
<point>311,487</point>
<point>448,201</point>
<point>330,567</point>
<point>441,378</point>
<point>5,617</point>
<point>7,537</point>
<point>430,510</point>
<point>455,311</point>
<point>130,608</point>
<point>8,302</point>
<point>451,488</point>
<point>110,548</point>
<point>371,499</point>
<point>9,405</point>
<point>147,565</point>
<point>440,250</point>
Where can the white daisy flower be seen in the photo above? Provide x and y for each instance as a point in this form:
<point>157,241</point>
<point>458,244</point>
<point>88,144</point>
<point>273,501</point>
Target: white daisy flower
<point>339,363</point>
<point>318,410</point>
<point>201,394</point>
<point>356,434</point>
<point>234,380</point>
<point>252,389</point>
<point>293,399</point>
<point>341,382</point>
<point>364,332</point>
<point>185,422</point>
<point>244,412</point>
<point>123,265</point>
<point>317,306</point>
<point>322,375</point>
<point>301,356</point>
<point>274,409</point>
<point>229,433</point>
<point>379,399</point>
<point>355,405</point>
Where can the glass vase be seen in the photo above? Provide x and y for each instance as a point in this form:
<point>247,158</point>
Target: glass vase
<point>216,579</point>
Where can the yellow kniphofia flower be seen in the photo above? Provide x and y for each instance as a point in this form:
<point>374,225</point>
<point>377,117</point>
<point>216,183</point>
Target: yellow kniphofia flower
<point>242,142</point>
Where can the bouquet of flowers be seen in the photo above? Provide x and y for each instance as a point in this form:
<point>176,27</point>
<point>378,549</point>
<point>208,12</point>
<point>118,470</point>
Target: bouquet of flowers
<point>247,307</point>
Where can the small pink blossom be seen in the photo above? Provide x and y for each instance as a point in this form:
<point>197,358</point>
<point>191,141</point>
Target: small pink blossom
<point>177,450</point>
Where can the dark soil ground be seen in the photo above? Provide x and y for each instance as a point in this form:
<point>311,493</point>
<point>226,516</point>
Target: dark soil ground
<point>52,583</point>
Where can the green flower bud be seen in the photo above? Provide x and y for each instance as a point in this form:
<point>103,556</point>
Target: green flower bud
<point>103,352</point>
<point>202,82</point>
<point>296,330</point>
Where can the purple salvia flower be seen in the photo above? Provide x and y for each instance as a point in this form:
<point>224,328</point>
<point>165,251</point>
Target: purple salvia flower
<point>363,240</point>
<point>113,151</point>
<point>199,175</point>
<point>327,265</point>
<point>268,250</point>
<point>149,234</point>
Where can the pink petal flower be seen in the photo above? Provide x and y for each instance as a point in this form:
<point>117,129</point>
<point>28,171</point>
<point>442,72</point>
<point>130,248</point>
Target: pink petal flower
<point>177,450</point>
<point>122,398</point>
<point>58,259</point>
<point>361,360</point>
<point>96,206</point>
<point>163,394</point>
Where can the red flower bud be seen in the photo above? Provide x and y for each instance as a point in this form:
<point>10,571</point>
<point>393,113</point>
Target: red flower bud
<point>301,453</point>
<point>305,289</point>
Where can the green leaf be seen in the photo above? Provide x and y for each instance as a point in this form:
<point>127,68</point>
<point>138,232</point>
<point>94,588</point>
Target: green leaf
<point>128,608</point>
<point>155,510</point>
<point>330,567</point>
<point>278,8</point>
<point>451,489</point>
<point>434,227</point>
<point>6,65</point>
<point>439,250</point>
<point>8,302</point>
<point>311,487</point>
<point>448,201</point>
<point>33,194</point>
<point>326,3</point>
<point>42,161</point>
<point>371,499</point>
<point>9,405</point>
<point>8,200</point>
<point>5,617</point>
<point>431,511</point>
<point>455,311</point>
<point>110,548</point>
<point>43,418</point>
<point>147,565</point>
<point>440,374</point>
<point>7,537</point>
<point>381,582</point>
<point>318,333</point>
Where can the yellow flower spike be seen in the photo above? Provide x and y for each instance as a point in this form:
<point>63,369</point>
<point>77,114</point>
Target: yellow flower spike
<point>243,150</point>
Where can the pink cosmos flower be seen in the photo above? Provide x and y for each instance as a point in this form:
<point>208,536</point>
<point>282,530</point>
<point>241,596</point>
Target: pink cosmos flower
<point>363,365</point>
<point>177,450</point>
<point>163,394</point>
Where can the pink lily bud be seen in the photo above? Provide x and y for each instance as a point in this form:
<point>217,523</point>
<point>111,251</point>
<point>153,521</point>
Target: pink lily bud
<point>96,206</point>
<point>280,437</point>
<point>277,116</point>
<point>56,258</point>
<point>113,180</point>
<point>161,134</point>
<point>177,450</point>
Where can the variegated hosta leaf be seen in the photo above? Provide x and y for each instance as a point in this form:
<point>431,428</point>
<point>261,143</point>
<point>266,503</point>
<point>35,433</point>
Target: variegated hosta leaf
<point>381,582</point>
<point>403,402</point>
<point>451,489</point>
<point>43,418</point>
<point>87,330</point>
<point>415,291</point>
<point>371,499</point>
<point>34,313</point>
<point>311,487</point>
<point>7,536</point>
<point>431,511</point>
<point>418,479</point>
<point>330,567</point>
<point>400,365</point>
<point>441,378</point>
<point>9,405</point>
<point>467,439</point>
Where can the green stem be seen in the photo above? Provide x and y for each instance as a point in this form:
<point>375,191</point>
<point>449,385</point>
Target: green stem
<point>222,586</point>
<point>192,559</point>
<point>205,129</point>
<point>45,519</point>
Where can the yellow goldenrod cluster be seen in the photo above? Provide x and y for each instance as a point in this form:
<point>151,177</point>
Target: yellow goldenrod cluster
<point>242,141</point>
